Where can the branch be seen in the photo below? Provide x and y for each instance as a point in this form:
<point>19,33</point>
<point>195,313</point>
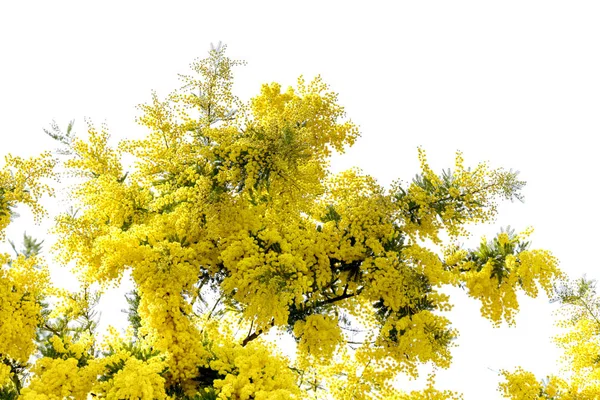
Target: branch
<point>256,334</point>
<point>214,308</point>
<point>448,198</point>
<point>590,311</point>
<point>51,329</point>
<point>360,343</point>
<point>343,296</point>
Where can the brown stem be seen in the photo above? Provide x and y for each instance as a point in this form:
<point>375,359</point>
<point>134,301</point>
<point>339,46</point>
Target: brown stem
<point>343,296</point>
<point>254,335</point>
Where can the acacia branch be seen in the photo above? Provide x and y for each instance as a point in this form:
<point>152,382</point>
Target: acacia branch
<point>51,329</point>
<point>341,297</point>
<point>448,198</point>
<point>255,334</point>
<point>214,308</point>
<point>590,311</point>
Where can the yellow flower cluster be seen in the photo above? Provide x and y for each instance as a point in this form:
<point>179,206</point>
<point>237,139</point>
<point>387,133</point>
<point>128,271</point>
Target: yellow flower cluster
<point>123,375</point>
<point>5,374</point>
<point>59,379</point>
<point>429,393</point>
<point>252,372</point>
<point>21,181</point>
<point>521,385</point>
<point>23,284</point>
<point>137,380</point>
<point>414,340</point>
<point>319,335</point>
<point>495,281</point>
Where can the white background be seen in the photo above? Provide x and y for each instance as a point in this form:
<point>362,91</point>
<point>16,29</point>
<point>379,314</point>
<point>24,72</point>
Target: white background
<point>515,83</point>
